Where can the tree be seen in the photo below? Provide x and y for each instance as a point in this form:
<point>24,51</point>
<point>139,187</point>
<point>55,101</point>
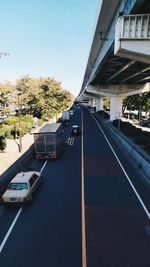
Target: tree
<point>6,96</point>
<point>140,102</point>
<point>106,103</point>
<point>43,97</point>
<point>2,143</point>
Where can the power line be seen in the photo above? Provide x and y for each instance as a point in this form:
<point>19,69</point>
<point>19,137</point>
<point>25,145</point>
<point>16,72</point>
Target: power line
<point>4,54</point>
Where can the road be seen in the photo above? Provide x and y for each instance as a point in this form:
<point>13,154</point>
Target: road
<point>49,231</point>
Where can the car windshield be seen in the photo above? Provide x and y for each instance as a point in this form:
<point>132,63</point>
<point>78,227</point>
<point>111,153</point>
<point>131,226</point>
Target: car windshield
<point>17,186</point>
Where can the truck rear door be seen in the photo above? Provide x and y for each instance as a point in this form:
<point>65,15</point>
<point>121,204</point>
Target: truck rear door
<point>50,141</point>
<point>39,142</point>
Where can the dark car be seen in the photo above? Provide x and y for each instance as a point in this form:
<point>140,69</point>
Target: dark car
<point>75,130</point>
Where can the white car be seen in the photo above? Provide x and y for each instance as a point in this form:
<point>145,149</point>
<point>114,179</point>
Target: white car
<point>71,112</point>
<point>22,187</point>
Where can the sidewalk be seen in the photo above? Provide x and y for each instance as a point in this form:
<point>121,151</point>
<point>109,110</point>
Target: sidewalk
<point>11,153</point>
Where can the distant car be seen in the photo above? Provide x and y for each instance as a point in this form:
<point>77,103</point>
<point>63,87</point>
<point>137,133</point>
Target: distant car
<point>92,110</point>
<point>75,130</point>
<point>22,187</point>
<point>71,112</point>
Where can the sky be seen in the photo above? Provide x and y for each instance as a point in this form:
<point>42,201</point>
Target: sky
<point>47,38</point>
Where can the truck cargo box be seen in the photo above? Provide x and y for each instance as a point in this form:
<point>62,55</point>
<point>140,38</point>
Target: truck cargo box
<point>48,141</point>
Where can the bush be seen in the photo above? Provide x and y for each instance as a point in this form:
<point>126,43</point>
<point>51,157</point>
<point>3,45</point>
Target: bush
<point>100,112</point>
<point>147,146</point>
<point>140,140</point>
<point>6,131</point>
<point>7,128</point>
<point>115,123</point>
<point>103,114</point>
<point>134,132</point>
<point>2,143</point>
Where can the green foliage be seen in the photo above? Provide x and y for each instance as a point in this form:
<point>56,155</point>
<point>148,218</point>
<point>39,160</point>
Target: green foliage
<point>26,127</point>
<point>12,123</point>
<point>43,98</point>
<point>7,92</point>
<point>6,130</point>
<point>2,143</point>
<point>106,103</point>
<point>139,102</point>
<point>103,114</point>
<point>40,122</point>
<point>27,118</point>
<point>132,131</point>
<point>11,120</point>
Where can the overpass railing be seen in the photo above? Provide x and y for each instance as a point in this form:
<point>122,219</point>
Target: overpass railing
<point>132,37</point>
<point>134,26</point>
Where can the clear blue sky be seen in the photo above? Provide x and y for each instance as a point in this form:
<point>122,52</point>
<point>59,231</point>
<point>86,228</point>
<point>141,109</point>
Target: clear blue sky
<point>47,38</point>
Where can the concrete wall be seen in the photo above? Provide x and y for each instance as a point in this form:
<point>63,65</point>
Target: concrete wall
<point>20,165</point>
<point>141,159</point>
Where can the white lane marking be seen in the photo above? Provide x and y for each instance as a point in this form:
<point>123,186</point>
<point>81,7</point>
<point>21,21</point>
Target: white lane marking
<point>68,141</point>
<point>44,165</point>
<point>84,262</point>
<point>135,191</point>
<point>15,220</point>
<point>72,141</point>
<point>10,229</point>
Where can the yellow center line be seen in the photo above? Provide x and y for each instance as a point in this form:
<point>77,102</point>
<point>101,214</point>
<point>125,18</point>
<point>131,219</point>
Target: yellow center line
<point>84,264</point>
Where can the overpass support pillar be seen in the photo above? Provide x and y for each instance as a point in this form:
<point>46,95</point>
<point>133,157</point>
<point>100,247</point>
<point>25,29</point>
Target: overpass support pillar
<point>115,108</point>
<point>91,102</point>
<point>99,104</point>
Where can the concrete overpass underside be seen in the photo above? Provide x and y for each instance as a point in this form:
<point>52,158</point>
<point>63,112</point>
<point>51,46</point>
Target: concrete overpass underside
<point>109,75</point>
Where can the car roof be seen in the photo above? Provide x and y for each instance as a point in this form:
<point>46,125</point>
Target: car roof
<point>23,177</point>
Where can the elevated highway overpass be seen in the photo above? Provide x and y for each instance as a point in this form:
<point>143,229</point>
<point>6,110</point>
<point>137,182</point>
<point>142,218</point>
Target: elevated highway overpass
<point>119,59</point>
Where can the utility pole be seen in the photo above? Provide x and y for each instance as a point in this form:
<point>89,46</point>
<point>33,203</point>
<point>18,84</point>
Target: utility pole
<point>20,139</point>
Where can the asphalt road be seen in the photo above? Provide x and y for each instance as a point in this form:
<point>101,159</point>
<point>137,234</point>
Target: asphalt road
<point>117,226</point>
<point>49,231</point>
